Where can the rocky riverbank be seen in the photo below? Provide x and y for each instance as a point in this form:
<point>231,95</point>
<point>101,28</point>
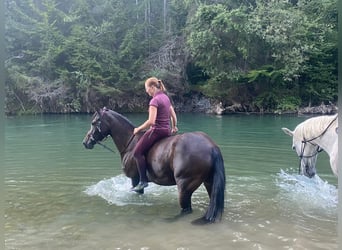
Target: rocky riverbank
<point>200,104</point>
<point>64,103</point>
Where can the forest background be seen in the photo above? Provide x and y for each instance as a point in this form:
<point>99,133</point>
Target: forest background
<point>239,55</point>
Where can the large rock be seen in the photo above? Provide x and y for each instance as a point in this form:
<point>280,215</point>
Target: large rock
<point>321,109</point>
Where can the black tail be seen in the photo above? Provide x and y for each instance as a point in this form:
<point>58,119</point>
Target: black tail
<point>216,204</point>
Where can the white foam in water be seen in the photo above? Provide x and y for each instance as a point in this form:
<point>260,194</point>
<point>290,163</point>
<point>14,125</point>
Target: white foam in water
<point>117,190</point>
<point>310,193</point>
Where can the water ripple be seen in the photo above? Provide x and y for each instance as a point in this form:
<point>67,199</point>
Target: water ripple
<point>309,195</point>
<point>117,190</point>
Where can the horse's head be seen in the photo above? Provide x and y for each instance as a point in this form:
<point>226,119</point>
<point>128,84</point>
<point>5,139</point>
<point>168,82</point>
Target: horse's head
<point>98,130</point>
<point>307,152</point>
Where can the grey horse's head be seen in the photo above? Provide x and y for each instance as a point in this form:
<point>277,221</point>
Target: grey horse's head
<point>306,151</point>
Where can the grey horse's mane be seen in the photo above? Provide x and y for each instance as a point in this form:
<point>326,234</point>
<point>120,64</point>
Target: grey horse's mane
<point>313,127</point>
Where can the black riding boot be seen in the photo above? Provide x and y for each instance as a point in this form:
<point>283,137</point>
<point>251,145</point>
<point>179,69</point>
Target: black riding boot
<point>141,164</point>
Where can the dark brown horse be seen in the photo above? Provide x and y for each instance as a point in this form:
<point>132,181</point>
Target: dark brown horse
<point>186,160</point>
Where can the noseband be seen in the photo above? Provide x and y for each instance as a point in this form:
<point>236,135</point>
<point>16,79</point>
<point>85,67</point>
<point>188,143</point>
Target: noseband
<point>98,125</point>
<point>318,150</point>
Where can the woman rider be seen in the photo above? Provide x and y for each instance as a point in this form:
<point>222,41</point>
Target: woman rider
<point>158,124</point>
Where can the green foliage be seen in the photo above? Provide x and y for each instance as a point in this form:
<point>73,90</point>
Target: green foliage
<point>107,90</point>
<point>284,29</point>
<point>266,74</point>
<point>284,53</point>
<point>266,101</point>
<point>319,79</point>
<point>217,39</point>
<point>288,103</point>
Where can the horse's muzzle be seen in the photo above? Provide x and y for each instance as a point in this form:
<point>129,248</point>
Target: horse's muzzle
<point>88,146</point>
<point>309,172</point>
<point>89,141</point>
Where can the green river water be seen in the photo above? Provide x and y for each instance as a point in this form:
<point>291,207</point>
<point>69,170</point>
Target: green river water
<point>62,196</point>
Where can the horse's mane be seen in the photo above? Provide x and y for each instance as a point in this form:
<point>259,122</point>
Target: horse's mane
<point>120,117</point>
<point>314,126</point>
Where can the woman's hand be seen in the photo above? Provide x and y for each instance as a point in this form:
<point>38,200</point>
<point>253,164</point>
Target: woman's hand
<point>174,130</point>
<point>152,116</point>
<point>135,131</point>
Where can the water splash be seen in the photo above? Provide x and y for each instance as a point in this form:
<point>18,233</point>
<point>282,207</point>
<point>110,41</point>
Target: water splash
<point>117,190</point>
<point>309,194</point>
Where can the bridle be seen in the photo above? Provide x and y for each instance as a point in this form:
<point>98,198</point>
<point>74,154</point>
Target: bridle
<point>98,127</point>
<point>318,149</point>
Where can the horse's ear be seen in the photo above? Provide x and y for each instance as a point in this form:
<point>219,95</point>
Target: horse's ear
<point>100,111</point>
<point>287,131</point>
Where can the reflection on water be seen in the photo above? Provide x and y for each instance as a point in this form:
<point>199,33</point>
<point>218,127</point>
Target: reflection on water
<point>61,196</point>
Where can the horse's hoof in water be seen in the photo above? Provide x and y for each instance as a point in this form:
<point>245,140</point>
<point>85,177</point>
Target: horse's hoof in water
<point>186,211</point>
<point>140,187</point>
<point>180,215</point>
<point>201,221</point>
<point>141,191</point>
<point>173,219</point>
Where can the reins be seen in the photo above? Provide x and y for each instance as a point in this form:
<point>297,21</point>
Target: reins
<point>106,147</point>
<point>128,143</point>
<point>122,151</point>
<point>319,149</point>
<point>324,131</point>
